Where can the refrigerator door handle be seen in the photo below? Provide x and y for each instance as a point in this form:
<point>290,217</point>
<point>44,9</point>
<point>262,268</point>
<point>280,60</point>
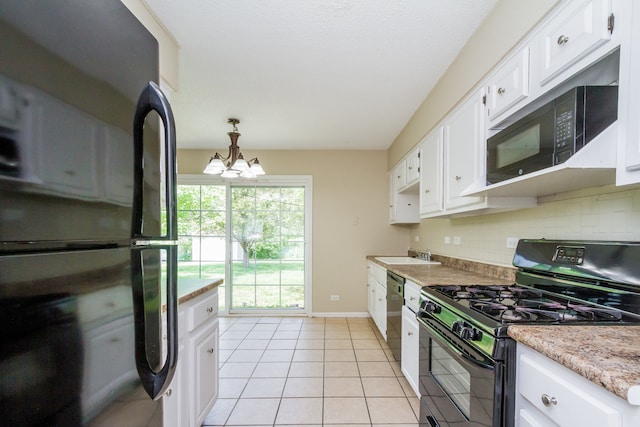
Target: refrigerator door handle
<point>155,382</point>
<point>152,99</point>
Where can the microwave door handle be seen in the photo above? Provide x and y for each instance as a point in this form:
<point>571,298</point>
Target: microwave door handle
<point>463,357</point>
<point>152,99</point>
<point>155,383</point>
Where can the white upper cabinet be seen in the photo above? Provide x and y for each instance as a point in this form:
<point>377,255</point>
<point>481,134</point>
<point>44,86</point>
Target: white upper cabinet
<point>404,182</point>
<point>413,168</point>
<point>579,28</point>
<point>509,85</point>
<point>431,173</point>
<point>464,148</point>
<point>628,162</point>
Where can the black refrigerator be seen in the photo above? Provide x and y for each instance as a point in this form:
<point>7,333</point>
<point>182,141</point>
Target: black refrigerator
<point>87,217</point>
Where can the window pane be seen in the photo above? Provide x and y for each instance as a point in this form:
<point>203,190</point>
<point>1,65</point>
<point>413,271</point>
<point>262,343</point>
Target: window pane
<point>293,296</point>
<point>292,273</point>
<point>268,297</point>
<point>243,274</point>
<point>213,197</point>
<point>213,223</point>
<point>243,296</point>
<point>189,222</point>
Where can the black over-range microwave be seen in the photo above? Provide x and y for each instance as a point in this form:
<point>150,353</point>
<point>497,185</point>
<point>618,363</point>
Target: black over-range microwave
<point>552,133</point>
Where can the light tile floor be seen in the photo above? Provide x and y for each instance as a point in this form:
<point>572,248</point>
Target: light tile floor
<point>292,371</point>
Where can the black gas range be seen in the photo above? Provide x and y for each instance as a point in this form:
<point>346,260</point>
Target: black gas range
<point>467,355</point>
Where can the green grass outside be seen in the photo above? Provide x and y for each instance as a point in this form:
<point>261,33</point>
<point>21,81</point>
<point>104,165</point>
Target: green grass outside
<point>264,284</point>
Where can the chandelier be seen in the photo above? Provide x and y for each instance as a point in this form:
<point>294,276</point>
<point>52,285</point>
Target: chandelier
<point>236,165</point>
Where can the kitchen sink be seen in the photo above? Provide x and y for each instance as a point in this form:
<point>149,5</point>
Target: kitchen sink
<point>405,260</point>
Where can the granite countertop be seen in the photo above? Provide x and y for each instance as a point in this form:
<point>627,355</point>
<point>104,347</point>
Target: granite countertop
<point>607,355</point>
<point>429,275</point>
<point>191,288</point>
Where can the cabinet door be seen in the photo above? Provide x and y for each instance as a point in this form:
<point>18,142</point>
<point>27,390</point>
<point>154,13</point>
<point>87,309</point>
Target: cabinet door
<point>628,164</point>
<point>464,154</point>
<point>204,346</point>
<point>410,348</point>
<point>400,175</point>
<point>431,173</point>
<point>576,31</point>
<point>371,290</point>
<point>509,85</point>
<point>413,167</point>
<point>174,402</point>
<point>381,309</point>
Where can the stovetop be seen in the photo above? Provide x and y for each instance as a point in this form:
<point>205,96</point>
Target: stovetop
<point>522,304</point>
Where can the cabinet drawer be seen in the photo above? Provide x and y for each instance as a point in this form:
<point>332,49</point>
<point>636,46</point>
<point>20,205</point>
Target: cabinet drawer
<point>573,406</point>
<point>509,85</point>
<point>202,311</point>
<point>575,32</point>
<point>378,273</point>
<point>412,296</point>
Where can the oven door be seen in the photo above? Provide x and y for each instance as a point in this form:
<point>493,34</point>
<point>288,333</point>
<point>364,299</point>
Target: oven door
<point>458,385</point>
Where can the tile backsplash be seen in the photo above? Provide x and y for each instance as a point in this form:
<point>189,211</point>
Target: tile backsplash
<point>611,213</point>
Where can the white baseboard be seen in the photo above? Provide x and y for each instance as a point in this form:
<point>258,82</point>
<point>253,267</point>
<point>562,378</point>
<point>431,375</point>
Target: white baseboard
<point>341,314</point>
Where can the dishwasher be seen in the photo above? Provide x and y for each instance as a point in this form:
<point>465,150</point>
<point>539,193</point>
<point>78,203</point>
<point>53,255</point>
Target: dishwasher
<point>395,301</point>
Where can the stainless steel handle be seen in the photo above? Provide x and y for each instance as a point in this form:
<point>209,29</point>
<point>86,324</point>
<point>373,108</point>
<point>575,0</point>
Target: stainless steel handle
<point>562,40</point>
<point>501,91</point>
<point>548,400</point>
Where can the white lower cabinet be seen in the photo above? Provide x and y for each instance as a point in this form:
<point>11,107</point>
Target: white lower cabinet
<point>377,298</point>
<point>410,348</point>
<point>194,388</point>
<point>549,394</point>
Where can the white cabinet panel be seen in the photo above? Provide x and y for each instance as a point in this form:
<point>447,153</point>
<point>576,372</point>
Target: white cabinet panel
<point>549,394</point>
<point>431,172</point>
<point>576,31</point>
<point>464,152</point>
<point>205,370</point>
<point>410,348</point>
<point>509,85</point>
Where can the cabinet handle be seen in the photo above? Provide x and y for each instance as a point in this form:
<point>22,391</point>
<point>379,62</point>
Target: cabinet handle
<point>427,191</point>
<point>410,334</point>
<point>209,309</point>
<point>548,401</point>
<point>412,298</point>
<point>410,167</point>
<point>562,40</point>
<point>210,350</point>
<point>458,177</point>
<point>168,393</point>
<point>501,91</point>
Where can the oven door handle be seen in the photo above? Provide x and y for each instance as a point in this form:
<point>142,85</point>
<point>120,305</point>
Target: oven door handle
<point>461,355</point>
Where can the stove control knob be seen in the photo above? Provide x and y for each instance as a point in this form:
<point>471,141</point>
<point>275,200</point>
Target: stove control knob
<point>432,307</point>
<point>457,327</point>
<point>472,334</point>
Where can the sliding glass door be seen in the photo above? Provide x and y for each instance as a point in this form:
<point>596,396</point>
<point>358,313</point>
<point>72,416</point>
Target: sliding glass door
<point>255,234</point>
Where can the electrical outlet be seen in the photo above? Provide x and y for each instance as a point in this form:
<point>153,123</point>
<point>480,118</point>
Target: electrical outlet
<point>512,242</point>
<point>335,297</point>
<point>456,240</point>
<point>447,240</point>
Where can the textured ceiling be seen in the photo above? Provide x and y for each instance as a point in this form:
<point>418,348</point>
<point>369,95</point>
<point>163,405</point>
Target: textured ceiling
<point>314,74</point>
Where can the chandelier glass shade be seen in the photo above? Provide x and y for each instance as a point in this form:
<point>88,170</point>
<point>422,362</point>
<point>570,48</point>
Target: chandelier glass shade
<point>236,165</point>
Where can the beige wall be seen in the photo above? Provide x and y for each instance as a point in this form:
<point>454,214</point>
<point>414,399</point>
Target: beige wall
<point>602,213</point>
<point>350,216</point>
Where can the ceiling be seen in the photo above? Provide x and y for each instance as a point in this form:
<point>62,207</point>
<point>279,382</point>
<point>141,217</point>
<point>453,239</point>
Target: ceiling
<point>315,74</point>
